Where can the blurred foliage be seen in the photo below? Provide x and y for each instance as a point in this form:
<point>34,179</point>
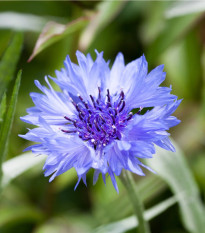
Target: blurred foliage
<point>170,33</point>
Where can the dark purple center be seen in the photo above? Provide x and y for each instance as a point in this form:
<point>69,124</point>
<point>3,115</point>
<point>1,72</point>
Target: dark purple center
<point>100,122</point>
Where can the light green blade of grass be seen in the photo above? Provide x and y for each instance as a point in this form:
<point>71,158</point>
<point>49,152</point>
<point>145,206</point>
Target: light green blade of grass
<point>9,61</point>
<point>173,168</point>
<point>8,120</point>
<point>174,30</point>
<point>10,215</point>
<point>108,210</point>
<point>21,21</point>
<point>18,165</point>
<point>131,222</point>
<point>106,12</point>
<point>2,108</point>
<point>184,8</point>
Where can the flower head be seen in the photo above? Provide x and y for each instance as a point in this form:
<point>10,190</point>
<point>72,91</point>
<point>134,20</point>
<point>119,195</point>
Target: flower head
<point>100,118</point>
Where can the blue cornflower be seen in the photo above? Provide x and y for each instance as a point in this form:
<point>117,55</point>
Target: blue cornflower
<point>90,122</point>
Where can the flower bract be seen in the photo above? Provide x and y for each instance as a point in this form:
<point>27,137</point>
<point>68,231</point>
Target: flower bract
<point>103,118</point>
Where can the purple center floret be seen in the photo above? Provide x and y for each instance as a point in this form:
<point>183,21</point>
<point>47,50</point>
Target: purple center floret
<point>100,122</point>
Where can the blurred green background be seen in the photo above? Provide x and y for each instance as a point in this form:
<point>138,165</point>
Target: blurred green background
<point>169,33</point>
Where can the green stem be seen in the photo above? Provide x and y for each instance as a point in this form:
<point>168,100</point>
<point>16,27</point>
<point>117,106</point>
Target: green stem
<point>129,184</point>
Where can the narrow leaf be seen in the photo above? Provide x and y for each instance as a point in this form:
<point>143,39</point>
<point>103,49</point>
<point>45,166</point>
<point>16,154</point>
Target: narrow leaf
<point>173,31</point>
<point>181,67</point>
<point>54,32</point>
<point>131,222</point>
<point>106,12</point>
<point>185,8</point>
<point>173,168</point>
<point>18,165</point>
<point>21,22</point>
<point>2,107</point>
<point>9,61</point>
<point>9,215</point>
<point>8,120</point>
<point>109,209</point>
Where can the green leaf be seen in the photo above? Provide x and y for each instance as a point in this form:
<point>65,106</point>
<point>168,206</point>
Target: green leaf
<point>173,168</point>
<point>108,208</point>
<point>9,61</point>
<point>183,62</point>
<point>5,39</point>
<point>21,22</point>
<point>7,124</point>
<point>202,108</point>
<point>11,215</point>
<point>66,223</point>
<point>106,12</point>
<point>131,222</point>
<point>185,8</point>
<point>2,107</point>
<point>173,31</point>
<point>18,165</point>
<point>54,32</point>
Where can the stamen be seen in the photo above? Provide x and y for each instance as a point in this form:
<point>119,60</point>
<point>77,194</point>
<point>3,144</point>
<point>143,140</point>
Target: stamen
<point>122,94</point>
<point>72,101</point>
<point>123,105</point>
<point>109,104</point>
<point>99,95</point>
<point>96,125</point>
<point>130,116</point>
<point>140,110</point>
<point>78,109</point>
<point>102,118</point>
<point>93,101</point>
<point>88,128</point>
<point>81,98</point>
<point>67,118</point>
<point>103,129</point>
<point>75,124</point>
<point>80,115</point>
<point>99,122</point>
<point>115,111</point>
<point>108,96</point>
<point>113,119</point>
<point>122,98</point>
<point>85,103</point>
<point>68,131</point>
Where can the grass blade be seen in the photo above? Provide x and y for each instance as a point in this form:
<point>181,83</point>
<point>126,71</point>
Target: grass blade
<point>173,168</point>
<point>23,213</point>
<point>8,120</point>
<point>18,165</point>
<point>9,61</point>
<point>174,30</point>
<point>106,12</point>
<point>131,222</point>
<point>21,22</point>
<point>185,8</point>
<point>2,107</point>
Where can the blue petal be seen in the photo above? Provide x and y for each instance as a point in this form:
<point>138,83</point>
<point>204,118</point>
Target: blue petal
<point>144,90</point>
<point>117,69</point>
<point>114,182</point>
<point>95,176</point>
<point>166,144</point>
